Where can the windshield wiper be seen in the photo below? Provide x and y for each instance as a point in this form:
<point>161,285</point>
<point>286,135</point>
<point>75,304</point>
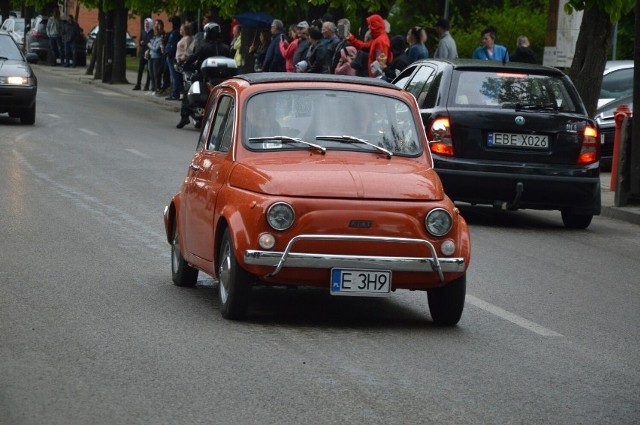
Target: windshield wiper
<point>352,139</point>
<point>287,139</point>
<point>3,58</point>
<point>551,106</point>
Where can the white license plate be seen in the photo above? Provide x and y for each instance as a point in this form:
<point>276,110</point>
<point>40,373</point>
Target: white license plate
<point>355,282</point>
<point>514,140</point>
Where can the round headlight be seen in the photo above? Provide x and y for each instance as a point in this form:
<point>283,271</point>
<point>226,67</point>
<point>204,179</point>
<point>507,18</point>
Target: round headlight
<point>438,222</point>
<point>280,216</point>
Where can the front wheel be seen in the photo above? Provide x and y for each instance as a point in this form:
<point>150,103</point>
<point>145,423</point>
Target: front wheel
<point>576,221</point>
<point>235,283</point>
<point>446,303</point>
<point>182,273</point>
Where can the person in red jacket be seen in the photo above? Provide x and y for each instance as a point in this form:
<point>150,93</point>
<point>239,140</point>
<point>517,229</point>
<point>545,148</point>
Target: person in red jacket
<point>379,44</point>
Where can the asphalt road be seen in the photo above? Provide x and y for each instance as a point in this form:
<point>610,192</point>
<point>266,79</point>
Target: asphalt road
<point>93,331</point>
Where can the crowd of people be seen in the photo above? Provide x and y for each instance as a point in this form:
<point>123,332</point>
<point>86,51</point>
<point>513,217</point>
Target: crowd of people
<point>324,46</point>
<point>64,35</point>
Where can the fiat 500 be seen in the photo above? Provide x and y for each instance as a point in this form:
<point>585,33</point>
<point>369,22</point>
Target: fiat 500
<point>321,181</point>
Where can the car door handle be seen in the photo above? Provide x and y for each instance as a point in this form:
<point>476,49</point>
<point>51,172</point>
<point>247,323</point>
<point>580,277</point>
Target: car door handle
<point>195,167</point>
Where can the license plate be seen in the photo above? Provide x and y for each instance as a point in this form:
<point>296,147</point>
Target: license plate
<point>514,140</point>
<point>355,282</point>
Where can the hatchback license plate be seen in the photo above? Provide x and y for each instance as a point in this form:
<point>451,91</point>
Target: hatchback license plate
<point>513,140</point>
<point>356,282</point>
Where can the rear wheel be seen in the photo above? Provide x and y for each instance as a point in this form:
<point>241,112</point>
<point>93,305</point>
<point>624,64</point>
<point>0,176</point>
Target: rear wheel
<point>28,116</point>
<point>446,303</point>
<point>576,221</point>
<point>235,283</point>
<point>182,273</point>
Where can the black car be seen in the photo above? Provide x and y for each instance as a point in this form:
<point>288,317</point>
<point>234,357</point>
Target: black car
<point>509,135</point>
<point>37,41</point>
<point>607,126</point>
<point>18,83</point>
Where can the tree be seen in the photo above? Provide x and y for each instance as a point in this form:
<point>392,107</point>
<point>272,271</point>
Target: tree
<point>593,43</point>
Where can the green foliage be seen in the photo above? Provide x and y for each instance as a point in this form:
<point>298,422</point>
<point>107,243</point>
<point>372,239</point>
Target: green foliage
<point>510,21</point>
<point>614,8</point>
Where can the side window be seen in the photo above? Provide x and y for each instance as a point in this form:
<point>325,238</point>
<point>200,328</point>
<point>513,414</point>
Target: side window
<point>402,79</point>
<point>419,85</point>
<point>227,135</point>
<point>225,103</point>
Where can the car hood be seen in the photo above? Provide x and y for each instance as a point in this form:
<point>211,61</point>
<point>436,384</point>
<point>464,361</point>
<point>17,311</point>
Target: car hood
<point>395,178</point>
<point>14,68</point>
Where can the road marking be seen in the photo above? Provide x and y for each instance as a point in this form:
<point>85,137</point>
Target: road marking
<point>63,91</point>
<point>513,318</point>
<point>54,116</point>
<point>110,93</point>
<point>140,154</point>
<point>89,132</point>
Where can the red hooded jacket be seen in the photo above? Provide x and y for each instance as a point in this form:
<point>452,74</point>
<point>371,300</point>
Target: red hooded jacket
<point>379,41</point>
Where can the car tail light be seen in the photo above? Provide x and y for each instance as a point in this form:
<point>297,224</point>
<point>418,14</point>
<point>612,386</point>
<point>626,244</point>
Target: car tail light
<point>590,146</point>
<point>439,135</point>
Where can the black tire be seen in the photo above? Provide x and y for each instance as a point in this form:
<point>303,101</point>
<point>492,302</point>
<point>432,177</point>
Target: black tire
<point>447,303</point>
<point>28,116</point>
<point>576,221</point>
<point>182,273</point>
<point>234,282</point>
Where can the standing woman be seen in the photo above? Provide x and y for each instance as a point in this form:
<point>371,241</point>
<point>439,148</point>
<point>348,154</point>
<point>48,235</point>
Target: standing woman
<point>490,50</point>
<point>236,46</point>
<point>259,50</point>
<point>155,56</point>
<point>183,49</point>
<point>416,37</point>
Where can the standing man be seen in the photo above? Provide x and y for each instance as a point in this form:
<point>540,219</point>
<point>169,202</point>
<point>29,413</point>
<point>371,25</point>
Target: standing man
<point>70,34</point>
<point>490,50</point>
<point>54,32</point>
<point>142,54</point>
<point>170,57</point>
<point>447,45</point>
<point>273,60</point>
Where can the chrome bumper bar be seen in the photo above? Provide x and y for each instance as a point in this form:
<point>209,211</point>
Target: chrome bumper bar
<point>288,258</point>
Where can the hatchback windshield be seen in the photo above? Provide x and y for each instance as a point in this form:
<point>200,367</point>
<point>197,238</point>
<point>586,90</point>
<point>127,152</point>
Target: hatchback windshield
<point>513,90</point>
<point>330,119</point>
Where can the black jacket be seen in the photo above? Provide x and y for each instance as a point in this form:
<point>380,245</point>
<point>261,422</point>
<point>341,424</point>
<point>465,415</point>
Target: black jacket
<point>523,54</point>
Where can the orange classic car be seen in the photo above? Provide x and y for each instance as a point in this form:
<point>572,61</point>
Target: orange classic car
<point>316,180</point>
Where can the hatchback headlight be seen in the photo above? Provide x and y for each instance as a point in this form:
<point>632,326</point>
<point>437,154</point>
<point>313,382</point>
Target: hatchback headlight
<point>280,216</point>
<point>18,81</point>
<point>438,222</point>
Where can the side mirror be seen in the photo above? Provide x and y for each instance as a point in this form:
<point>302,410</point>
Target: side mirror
<point>32,57</point>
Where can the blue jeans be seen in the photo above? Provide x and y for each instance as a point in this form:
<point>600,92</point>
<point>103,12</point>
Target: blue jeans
<point>55,50</point>
<point>70,53</point>
<point>176,78</point>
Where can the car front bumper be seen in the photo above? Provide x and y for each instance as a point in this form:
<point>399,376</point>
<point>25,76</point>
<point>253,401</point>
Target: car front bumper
<point>17,97</point>
<point>290,258</point>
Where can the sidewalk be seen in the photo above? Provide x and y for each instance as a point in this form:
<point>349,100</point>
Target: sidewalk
<point>630,214</point>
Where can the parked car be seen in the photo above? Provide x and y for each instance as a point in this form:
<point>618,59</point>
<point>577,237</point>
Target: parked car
<point>617,81</point>
<point>18,83</point>
<point>15,28</point>
<point>509,135</point>
<point>316,180</point>
<point>607,127</point>
<point>130,44</point>
<point>37,42</point>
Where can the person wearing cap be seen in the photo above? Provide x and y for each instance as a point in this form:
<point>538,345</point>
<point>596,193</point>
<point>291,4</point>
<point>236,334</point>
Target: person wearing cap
<point>288,48</point>
<point>303,43</point>
<point>447,45</point>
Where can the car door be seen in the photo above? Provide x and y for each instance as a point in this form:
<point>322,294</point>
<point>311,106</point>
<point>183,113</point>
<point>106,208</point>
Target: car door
<point>208,172</point>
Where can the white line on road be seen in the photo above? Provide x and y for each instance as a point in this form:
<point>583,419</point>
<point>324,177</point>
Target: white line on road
<point>140,154</point>
<point>110,93</point>
<point>54,116</point>
<point>89,132</point>
<point>513,318</point>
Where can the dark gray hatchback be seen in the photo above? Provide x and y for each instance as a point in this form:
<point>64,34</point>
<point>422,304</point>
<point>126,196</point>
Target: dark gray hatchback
<point>510,135</point>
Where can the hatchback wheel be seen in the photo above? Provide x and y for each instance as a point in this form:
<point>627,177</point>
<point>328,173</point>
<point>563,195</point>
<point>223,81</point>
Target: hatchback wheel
<point>446,303</point>
<point>235,283</point>
<point>576,221</point>
<point>182,273</point>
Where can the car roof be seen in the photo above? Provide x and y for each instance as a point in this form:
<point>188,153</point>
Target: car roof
<point>475,64</point>
<point>617,64</point>
<point>284,77</point>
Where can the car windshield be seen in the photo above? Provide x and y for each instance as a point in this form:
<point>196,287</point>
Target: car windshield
<point>8,48</point>
<point>19,26</point>
<point>324,120</point>
<point>519,91</point>
<point>617,84</point>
